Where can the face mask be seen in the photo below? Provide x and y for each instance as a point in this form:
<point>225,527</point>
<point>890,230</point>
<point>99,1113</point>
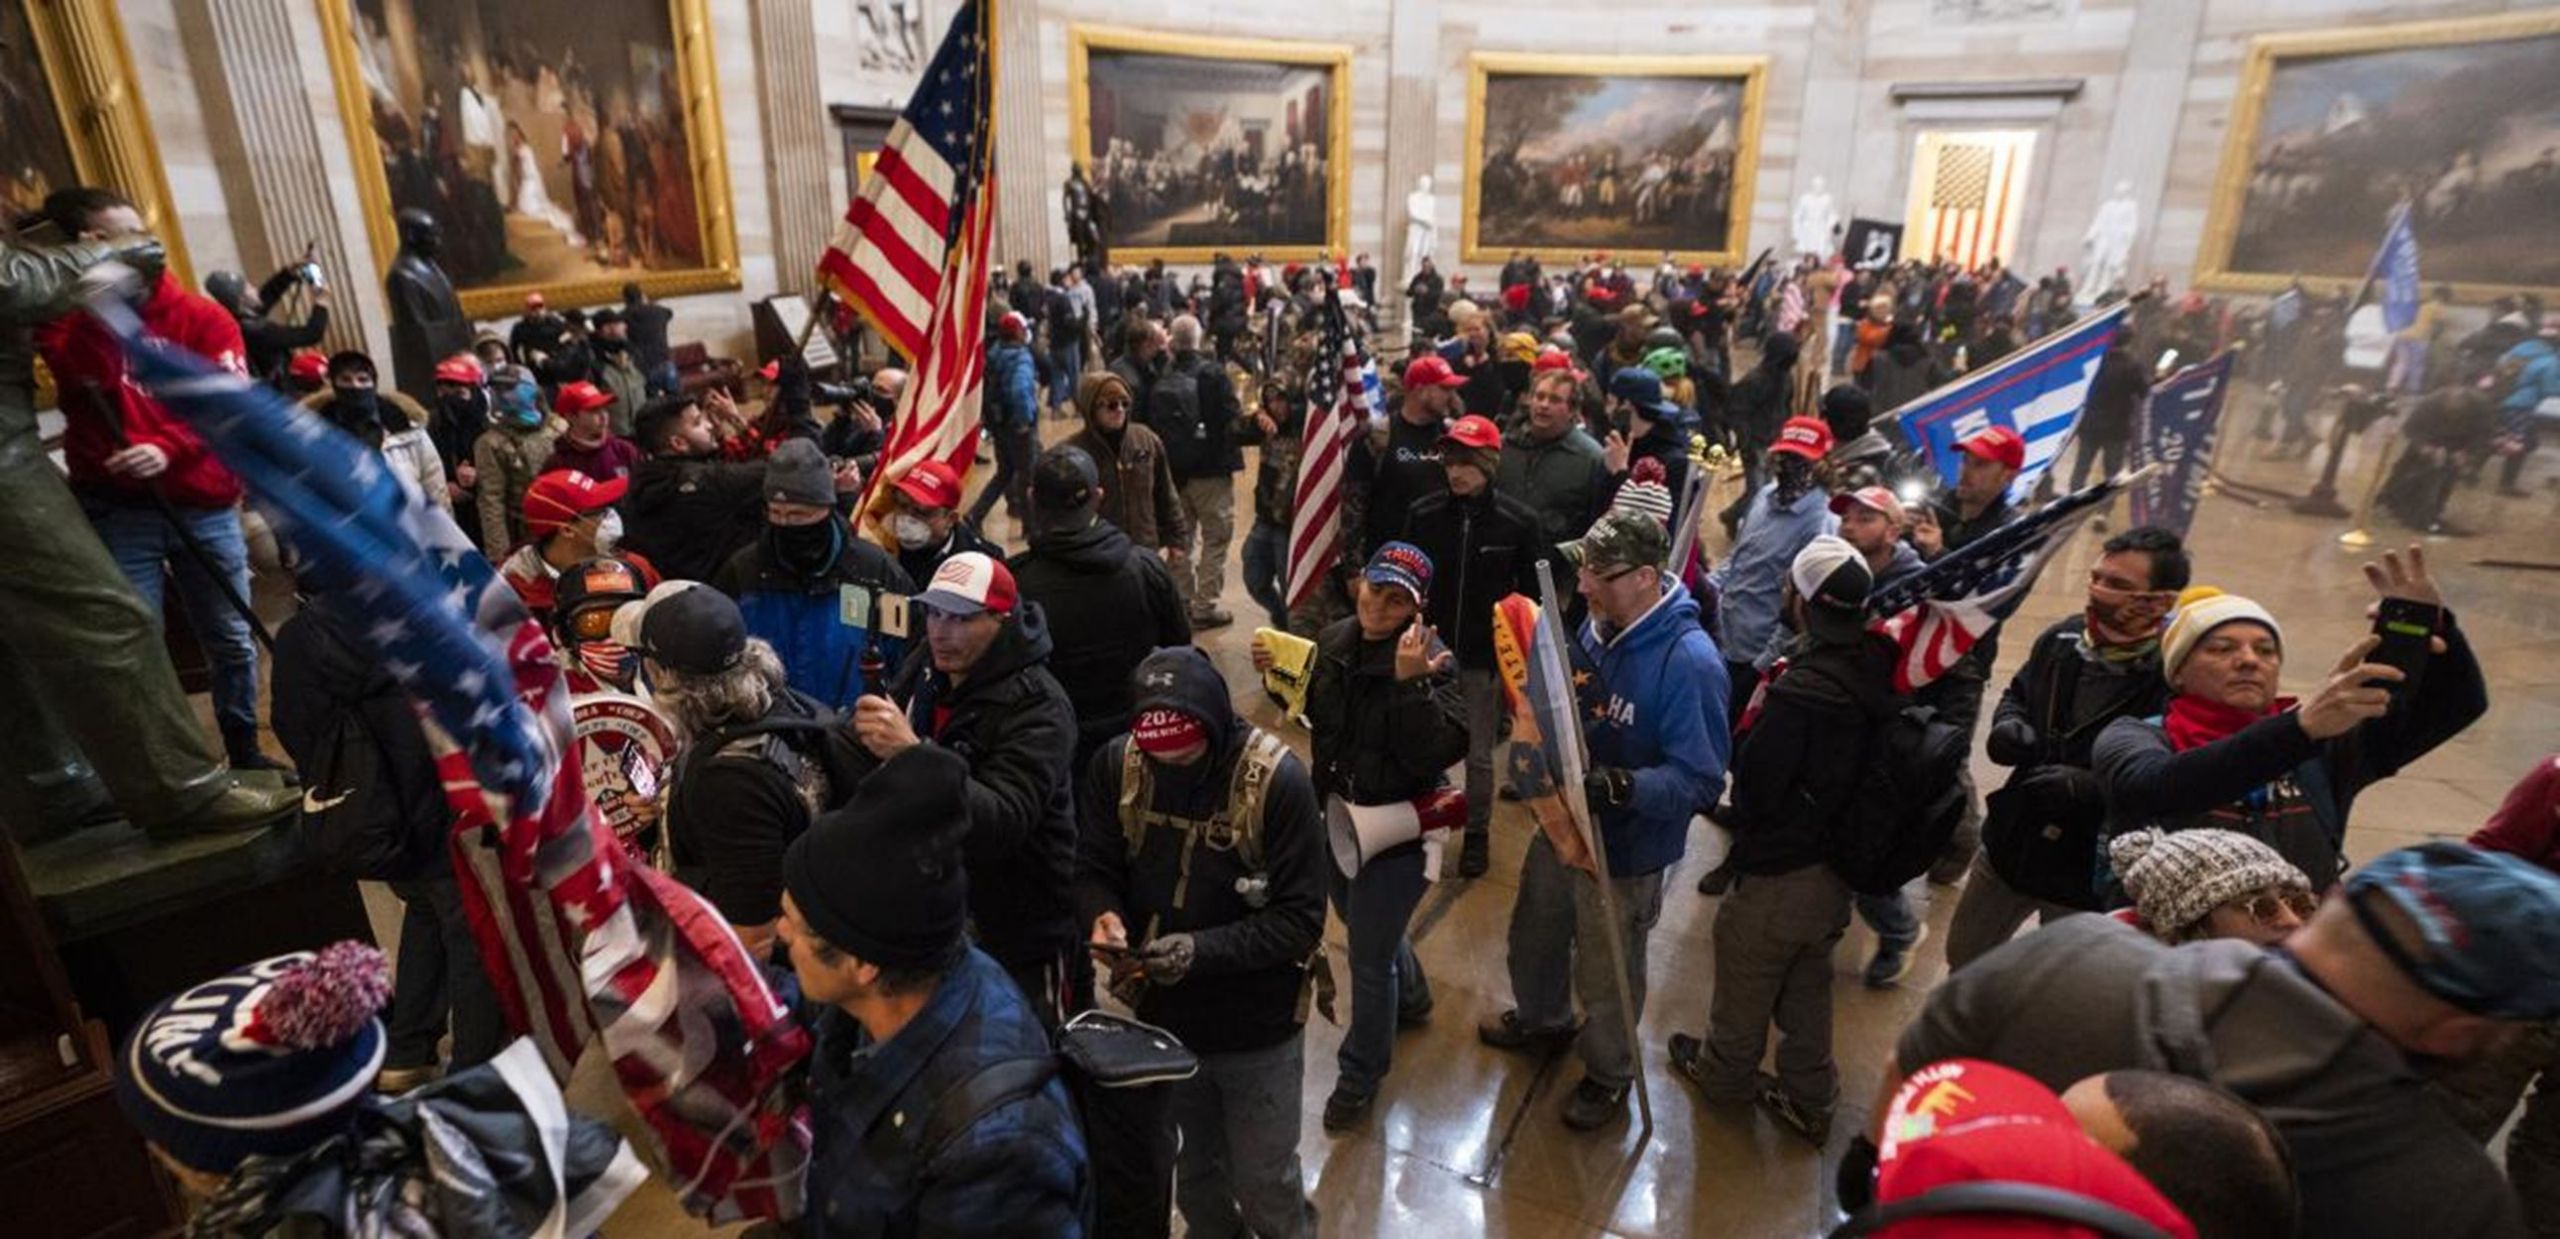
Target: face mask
<point>357,406</point>
<point>811,546</point>
<point>911,531</point>
<point>608,532</point>
<point>606,661</point>
<point>610,346</point>
<point>469,408</point>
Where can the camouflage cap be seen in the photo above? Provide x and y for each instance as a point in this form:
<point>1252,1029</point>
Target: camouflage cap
<point>1620,540</point>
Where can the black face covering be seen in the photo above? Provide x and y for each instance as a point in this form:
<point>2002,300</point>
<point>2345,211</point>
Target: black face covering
<point>807,549</point>
<point>470,408</point>
<point>606,345</point>
<point>1794,476</point>
<point>359,409</point>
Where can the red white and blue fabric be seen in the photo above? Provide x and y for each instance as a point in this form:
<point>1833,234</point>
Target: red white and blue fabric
<point>911,255</point>
<point>1342,395</point>
<point>2037,391</point>
<point>581,939</point>
<point>1936,614</point>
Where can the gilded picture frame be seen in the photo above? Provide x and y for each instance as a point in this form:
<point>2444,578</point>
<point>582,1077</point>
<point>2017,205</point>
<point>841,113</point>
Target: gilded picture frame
<point>1484,234</point>
<point>2261,191</point>
<point>89,76</point>
<point>1087,43</point>
<point>697,88</point>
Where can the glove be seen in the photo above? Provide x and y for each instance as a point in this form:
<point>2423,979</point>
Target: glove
<point>1609,787</point>
<point>2014,737</point>
<point>1168,959</point>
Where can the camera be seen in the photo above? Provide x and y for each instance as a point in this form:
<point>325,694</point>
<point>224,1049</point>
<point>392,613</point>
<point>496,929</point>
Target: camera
<point>841,393</point>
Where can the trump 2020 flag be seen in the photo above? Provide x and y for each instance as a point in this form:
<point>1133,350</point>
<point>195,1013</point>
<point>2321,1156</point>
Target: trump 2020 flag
<point>1546,765</point>
<point>2037,391</point>
<point>580,939</point>
<point>1935,615</point>
<point>2176,432</point>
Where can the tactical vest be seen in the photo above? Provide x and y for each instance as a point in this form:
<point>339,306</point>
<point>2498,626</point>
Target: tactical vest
<point>1235,827</point>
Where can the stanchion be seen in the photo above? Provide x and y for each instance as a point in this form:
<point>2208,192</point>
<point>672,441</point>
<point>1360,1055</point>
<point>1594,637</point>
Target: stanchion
<point>2361,536</point>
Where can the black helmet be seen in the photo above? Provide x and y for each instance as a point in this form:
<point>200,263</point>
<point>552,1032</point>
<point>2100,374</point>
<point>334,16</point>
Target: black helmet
<point>1664,337</point>
<point>604,583</point>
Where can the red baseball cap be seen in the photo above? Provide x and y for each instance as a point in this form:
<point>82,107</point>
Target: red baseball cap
<point>1516,298</point>
<point>1473,431</point>
<point>1998,443</point>
<point>931,484</point>
<point>1968,1121</point>
<point>1013,324</point>
<point>1809,437</point>
<point>1431,370</point>
<point>971,582</point>
<point>460,368</point>
<point>563,495</point>
<point>309,366</point>
<point>579,397</point>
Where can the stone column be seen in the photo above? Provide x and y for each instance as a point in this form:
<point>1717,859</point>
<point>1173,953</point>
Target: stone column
<point>1029,222</point>
<point>1825,146</point>
<point>258,112</point>
<point>1413,124</point>
<point>2140,138</point>
<point>799,144</point>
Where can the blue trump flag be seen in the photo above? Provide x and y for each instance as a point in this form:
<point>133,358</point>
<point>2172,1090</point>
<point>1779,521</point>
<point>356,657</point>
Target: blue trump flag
<point>2037,391</point>
<point>2396,265</point>
<point>2176,432</point>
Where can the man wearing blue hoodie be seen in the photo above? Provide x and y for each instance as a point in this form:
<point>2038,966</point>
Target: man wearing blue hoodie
<point>1655,721</point>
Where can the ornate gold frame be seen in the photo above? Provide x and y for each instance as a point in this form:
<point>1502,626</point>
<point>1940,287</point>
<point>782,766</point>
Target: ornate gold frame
<point>691,23</point>
<point>89,69</point>
<point>1082,40</point>
<point>2248,109</point>
<point>1753,70</point>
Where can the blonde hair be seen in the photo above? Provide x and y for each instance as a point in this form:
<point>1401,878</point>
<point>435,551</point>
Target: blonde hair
<point>742,693</point>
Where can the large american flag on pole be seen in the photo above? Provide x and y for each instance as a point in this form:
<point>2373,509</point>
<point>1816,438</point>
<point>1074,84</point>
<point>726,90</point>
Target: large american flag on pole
<point>911,255</point>
<point>581,940</point>
<point>1937,614</point>
<point>1342,395</point>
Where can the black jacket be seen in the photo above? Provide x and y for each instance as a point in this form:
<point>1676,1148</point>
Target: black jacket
<point>2115,396</point>
<point>689,514</point>
<point>1790,776</point>
<point>1377,741</point>
<point>321,681</point>
<point>1564,480</point>
<point>1393,479</point>
<point>734,811</point>
<point>1015,726</point>
<point>270,344</point>
<point>1108,605</point>
<point>1759,402</point>
<point>1242,991</point>
<point>1481,549</point>
<point>1212,450</point>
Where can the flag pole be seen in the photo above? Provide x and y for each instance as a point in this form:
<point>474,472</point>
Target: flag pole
<point>1552,614</point>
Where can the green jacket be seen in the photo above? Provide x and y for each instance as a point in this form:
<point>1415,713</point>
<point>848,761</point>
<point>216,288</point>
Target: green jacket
<point>38,283</point>
<point>1564,480</point>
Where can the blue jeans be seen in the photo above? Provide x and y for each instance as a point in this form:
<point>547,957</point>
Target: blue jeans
<point>1238,1172</point>
<point>141,541</point>
<point>1557,938</point>
<point>1386,980</point>
<point>1066,366</point>
<point>1266,570</point>
<point>1892,917</point>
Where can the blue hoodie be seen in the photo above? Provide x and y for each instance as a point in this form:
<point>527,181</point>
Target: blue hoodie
<point>1658,709</point>
<point>1013,385</point>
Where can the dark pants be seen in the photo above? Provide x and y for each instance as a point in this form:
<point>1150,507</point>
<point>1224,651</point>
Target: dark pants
<point>1958,698</point>
<point>2108,449</point>
<point>1266,570</point>
<point>1744,678</point>
<point>1386,980</point>
<point>1238,1172</point>
<point>2482,1093</point>
<point>1773,938</point>
<point>440,976</point>
<point>1014,447</point>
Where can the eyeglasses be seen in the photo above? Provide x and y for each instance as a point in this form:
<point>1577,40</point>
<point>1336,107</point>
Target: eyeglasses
<point>2265,906</point>
<point>1606,577</point>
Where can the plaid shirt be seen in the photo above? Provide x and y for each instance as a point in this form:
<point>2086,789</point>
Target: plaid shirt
<point>1018,1170</point>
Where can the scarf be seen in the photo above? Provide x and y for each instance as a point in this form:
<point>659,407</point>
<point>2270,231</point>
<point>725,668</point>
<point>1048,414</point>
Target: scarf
<point>2193,722</point>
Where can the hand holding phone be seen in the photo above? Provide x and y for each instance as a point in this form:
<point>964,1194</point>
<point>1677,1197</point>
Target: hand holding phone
<point>2406,631</point>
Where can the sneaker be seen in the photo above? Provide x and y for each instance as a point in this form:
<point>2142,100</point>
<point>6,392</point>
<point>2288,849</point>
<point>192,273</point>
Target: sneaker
<point>1345,1109</point>
<point>1814,1125</point>
<point>1689,1058</point>
<point>1594,1105</point>
<point>1211,616</point>
<point>242,806</point>
<point>1892,962</point>
<point>1716,881</point>
<point>1475,855</point>
<point>1506,1032</point>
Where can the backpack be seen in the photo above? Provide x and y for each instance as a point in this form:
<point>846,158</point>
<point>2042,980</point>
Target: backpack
<point>1903,803</point>
<point>361,818</point>
<point>1173,412</point>
<point>1237,826</point>
<point>814,752</point>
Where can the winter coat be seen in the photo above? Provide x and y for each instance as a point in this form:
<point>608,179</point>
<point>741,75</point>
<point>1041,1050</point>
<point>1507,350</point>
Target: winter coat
<point>688,514</point>
<point>1109,604</point>
<point>1275,475</point>
<point>1791,776</point>
<point>2115,397</point>
<point>1017,729</point>
<point>1667,442</point>
<point>1482,548</point>
<point>1751,582</point>
<point>1394,477</point>
<point>618,372</point>
<point>1212,449</point>
<point>508,459</point>
<point>1013,385</point>
<point>1138,491</point>
<point>1377,740</point>
<point>821,621</point>
<point>1565,480</point>
<point>1900,374</point>
<point>2275,784</point>
<point>614,458</point>
<point>2537,365</point>
<point>1242,991</point>
<point>1759,402</point>
<point>1666,698</point>
<point>399,432</point>
<point>103,412</point>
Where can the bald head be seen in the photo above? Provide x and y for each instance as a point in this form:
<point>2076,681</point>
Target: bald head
<point>1186,334</point>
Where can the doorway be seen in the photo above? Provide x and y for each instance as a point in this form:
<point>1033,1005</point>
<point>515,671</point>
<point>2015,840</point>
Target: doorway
<point>1967,187</point>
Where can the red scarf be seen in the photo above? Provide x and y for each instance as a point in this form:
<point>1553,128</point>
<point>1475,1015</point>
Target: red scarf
<point>2193,722</point>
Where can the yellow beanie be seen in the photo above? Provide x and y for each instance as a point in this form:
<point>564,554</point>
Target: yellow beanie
<point>2201,609</point>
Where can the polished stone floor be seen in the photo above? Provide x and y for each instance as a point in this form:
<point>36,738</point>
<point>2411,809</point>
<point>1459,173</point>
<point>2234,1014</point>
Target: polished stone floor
<point>1467,1140</point>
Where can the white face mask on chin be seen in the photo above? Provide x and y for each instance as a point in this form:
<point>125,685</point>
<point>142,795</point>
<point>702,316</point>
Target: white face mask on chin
<point>911,531</point>
<point>609,532</point>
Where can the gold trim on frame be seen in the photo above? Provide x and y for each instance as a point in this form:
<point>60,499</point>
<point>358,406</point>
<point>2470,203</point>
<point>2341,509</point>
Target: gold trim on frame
<point>698,74</point>
<point>1336,57</point>
<point>1753,70</point>
<point>89,68</point>
<point>2248,111</point>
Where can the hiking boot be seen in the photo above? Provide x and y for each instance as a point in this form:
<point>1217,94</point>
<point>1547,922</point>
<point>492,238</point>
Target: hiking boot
<point>1689,1058</point>
<point>1346,1109</point>
<point>1211,616</point>
<point>1594,1105</point>
<point>1814,1125</point>
<point>1506,1032</point>
<point>1716,881</point>
<point>1892,962</point>
<point>1475,855</point>
<point>242,806</point>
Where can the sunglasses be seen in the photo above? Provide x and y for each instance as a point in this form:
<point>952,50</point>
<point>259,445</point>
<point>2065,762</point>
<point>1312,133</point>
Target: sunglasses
<point>2265,906</point>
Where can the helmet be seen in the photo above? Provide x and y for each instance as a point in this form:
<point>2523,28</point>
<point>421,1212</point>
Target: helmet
<point>1667,363</point>
<point>1665,337</point>
<point>607,582</point>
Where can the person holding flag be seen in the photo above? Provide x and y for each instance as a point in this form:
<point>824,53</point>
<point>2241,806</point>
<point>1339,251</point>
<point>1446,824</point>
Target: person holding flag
<point>1981,503</point>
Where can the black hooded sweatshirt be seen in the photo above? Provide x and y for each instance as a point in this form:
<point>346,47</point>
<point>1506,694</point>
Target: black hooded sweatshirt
<point>1108,605</point>
<point>1242,991</point>
<point>1790,774</point>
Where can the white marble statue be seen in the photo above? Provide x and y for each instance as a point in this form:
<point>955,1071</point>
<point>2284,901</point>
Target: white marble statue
<point>2108,245</point>
<point>1421,225</point>
<point>1814,221</point>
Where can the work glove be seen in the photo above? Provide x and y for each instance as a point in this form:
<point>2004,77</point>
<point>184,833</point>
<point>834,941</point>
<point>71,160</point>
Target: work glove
<point>1168,959</point>
<point>1609,787</point>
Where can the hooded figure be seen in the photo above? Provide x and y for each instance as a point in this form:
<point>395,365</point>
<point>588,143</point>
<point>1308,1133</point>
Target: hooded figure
<point>1108,602</point>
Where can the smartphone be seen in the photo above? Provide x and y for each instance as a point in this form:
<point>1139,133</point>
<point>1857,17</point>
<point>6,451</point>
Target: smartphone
<point>2407,629</point>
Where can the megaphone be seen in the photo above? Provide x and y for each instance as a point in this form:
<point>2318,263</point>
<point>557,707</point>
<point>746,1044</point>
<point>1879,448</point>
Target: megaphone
<point>1361,831</point>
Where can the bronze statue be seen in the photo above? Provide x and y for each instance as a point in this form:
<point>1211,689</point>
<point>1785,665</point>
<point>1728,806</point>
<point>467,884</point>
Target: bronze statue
<point>427,322</point>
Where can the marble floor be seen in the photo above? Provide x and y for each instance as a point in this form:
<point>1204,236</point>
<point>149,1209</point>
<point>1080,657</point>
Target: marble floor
<point>1467,1140</point>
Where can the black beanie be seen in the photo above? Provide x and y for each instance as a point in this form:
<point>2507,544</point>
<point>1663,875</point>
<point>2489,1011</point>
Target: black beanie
<point>880,878</point>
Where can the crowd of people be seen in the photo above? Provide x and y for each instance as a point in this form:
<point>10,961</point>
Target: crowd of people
<point>955,793</point>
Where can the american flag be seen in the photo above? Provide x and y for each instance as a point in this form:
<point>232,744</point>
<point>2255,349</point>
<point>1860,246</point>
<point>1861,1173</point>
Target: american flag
<point>1342,395</point>
<point>581,940</point>
<point>911,255</point>
<point>1937,614</point>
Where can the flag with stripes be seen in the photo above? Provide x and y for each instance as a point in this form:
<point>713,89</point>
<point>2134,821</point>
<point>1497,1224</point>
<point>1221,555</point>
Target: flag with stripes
<point>1935,615</point>
<point>911,254</point>
<point>2037,391</point>
<point>581,940</point>
<point>1342,395</point>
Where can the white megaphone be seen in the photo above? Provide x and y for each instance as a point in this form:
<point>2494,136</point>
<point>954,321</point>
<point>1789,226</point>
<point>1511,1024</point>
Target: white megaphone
<point>1361,831</point>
